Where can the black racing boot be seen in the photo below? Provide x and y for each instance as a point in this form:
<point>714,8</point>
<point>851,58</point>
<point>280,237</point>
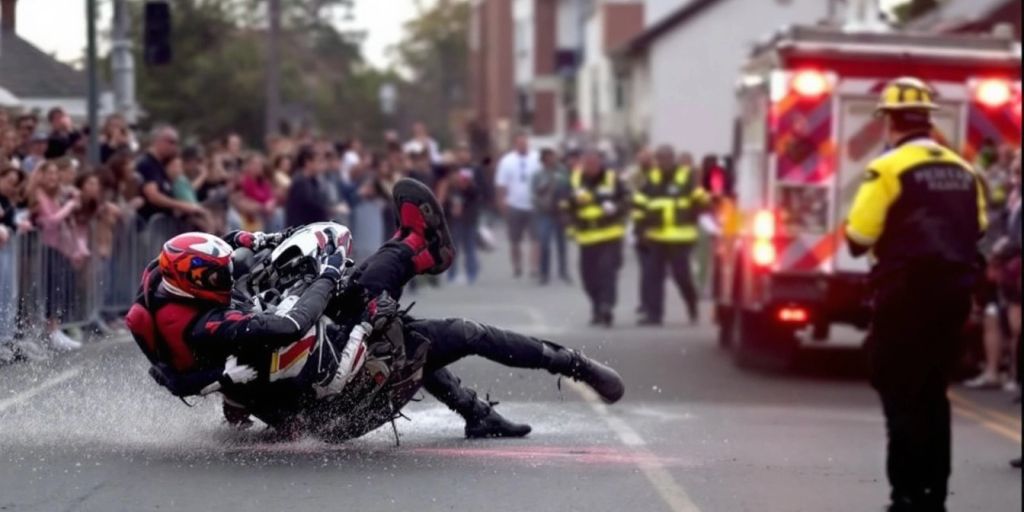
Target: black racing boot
<point>422,227</point>
<point>482,420</point>
<point>492,424</point>
<point>605,381</point>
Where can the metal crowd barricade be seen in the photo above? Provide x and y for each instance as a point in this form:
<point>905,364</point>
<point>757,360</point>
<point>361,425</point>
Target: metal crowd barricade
<point>136,243</point>
<point>9,289</point>
<point>51,287</point>
<point>41,284</point>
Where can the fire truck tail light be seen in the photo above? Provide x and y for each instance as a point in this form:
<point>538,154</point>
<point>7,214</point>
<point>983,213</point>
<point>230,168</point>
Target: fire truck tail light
<point>763,253</point>
<point>793,314</point>
<point>810,83</point>
<point>992,92</point>
<point>764,225</point>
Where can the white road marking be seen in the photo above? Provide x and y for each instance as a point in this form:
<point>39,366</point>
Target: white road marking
<point>673,494</point>
<point>28,394</point>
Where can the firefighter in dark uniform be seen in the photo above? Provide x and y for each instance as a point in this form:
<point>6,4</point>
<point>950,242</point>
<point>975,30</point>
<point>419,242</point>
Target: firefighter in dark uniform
<point>596,210</point>
<point>920,212</point>
<point>665,212</point>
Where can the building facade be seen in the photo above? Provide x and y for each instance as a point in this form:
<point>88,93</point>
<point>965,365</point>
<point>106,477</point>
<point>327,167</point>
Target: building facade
<point>682,69</point>
<point>33,81</point>
<point>601,87</point>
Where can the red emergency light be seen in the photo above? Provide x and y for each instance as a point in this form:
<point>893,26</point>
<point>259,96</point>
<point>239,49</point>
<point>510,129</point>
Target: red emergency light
<point>764,225</point>
<point>793,315</point>
<point>993,92</point>
<point>810,83</point>
<point>764,253</point>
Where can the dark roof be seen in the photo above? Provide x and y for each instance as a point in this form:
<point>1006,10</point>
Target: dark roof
<point>667,24</point>
<point>28,72</point>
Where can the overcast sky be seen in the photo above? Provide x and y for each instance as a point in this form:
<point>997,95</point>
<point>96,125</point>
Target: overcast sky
<point>63,34</point>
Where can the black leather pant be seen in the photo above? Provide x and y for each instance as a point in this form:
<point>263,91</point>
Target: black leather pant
<point>454,338</point>
<point>389,269</point>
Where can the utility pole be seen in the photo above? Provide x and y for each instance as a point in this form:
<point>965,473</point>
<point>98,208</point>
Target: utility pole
<point>93,106</point>
<point>273,106</point>
<point>123,63</point>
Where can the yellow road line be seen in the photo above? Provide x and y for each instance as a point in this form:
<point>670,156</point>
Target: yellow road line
<point>673,494</point>
<point>1007,419</point>
<point>998,428</point>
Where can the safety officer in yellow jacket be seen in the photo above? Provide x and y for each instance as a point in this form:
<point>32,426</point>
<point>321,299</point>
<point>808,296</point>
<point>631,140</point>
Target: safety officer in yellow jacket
<point>596,209</point>
<point>665,213</point>
<point>920,212</point>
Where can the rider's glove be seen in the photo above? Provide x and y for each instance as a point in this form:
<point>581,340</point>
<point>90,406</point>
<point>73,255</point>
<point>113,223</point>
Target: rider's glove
<point>247,239</point>
<point>381,310</point>
<point>235,373</point>
<point>333,264</point>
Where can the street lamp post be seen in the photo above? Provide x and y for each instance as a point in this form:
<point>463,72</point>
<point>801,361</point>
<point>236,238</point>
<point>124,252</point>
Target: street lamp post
<point>123,63</point>
<point>273,100</point>
<point>93,101</point>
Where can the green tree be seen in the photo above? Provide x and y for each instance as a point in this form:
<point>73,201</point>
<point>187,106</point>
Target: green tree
<point>216,81</point>
<point>434,54</point>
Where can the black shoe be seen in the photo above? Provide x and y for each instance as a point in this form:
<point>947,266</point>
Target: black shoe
<point>494,425</point>
<point>605,381</point>
<point>694,317</point>
<point>646,321</point>
<point>608,320</point>
<point>422,227</point>
<point>1015,463</point>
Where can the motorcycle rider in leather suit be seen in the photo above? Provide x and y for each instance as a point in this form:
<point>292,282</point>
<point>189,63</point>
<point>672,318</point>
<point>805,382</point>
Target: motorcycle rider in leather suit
<point>184,321</point>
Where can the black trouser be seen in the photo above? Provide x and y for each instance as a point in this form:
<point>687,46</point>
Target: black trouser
<point>389,269</point>
<point>642,252</point>
<point>454,338</point>
<point>599,271</point>
<point>914,340</point>
<point>675,258</point>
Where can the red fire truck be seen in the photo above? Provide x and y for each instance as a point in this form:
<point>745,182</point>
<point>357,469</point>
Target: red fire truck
<point>783,276</point>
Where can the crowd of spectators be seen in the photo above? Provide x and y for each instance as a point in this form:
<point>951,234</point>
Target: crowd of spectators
<point>76,210</point>
<point>999,296</point>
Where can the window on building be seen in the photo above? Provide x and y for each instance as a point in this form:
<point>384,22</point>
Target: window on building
<point>621,90</point>
<point>524,108</point>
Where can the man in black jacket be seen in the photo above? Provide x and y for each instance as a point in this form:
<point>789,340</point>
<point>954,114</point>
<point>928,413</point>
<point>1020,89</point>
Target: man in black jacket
<point>307,201</point>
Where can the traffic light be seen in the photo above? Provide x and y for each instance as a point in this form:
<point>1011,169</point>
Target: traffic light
<point>157,33</point>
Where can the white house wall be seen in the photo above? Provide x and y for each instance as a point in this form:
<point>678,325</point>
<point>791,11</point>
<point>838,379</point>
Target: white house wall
<point>655,10</point>
<point>592,75</point>
<point>639,100</point>
<point>523,23</point>
<point>694,68</point>
<point>570,24</point>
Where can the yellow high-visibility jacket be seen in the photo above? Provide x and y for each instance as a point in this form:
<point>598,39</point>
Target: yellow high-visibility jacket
<point>666,208</point>
<point>596,209</point>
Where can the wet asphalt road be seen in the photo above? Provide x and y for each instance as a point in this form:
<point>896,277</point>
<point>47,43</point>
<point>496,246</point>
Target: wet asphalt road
<point>91,432</point>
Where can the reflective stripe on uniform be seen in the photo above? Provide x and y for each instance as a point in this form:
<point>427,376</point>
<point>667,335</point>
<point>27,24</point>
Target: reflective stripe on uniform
<point>590,212</point>
<point>595,236</point>
<point>678,234</point>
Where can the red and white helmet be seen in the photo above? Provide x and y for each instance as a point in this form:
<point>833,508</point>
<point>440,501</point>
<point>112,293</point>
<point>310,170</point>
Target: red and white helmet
<point>198,266</point>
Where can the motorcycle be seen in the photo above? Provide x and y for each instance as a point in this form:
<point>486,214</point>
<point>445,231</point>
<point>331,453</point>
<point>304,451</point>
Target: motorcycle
<point>345,377</point>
